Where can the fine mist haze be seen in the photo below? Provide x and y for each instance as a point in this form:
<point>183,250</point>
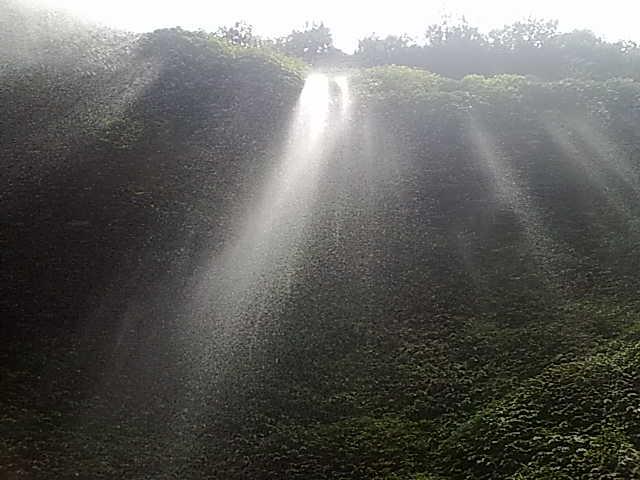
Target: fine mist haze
<point>230,256</point>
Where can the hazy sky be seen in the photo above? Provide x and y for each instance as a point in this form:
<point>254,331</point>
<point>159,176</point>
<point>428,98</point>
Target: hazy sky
<point>351,20</point>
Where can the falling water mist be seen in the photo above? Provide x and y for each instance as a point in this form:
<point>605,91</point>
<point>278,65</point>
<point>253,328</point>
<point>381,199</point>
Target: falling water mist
<point>248,282</point>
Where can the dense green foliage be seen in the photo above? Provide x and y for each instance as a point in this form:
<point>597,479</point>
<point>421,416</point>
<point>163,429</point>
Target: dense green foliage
<point>137,128</point>
<point>527,48</point>
<point>468,310</point>
<point>531,48</point>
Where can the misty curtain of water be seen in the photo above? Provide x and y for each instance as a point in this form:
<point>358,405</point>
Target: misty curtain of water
<point>247,283</point>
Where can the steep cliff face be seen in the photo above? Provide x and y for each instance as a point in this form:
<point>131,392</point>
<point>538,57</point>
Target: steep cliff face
<point>141,134</point>
<point>462,303</point>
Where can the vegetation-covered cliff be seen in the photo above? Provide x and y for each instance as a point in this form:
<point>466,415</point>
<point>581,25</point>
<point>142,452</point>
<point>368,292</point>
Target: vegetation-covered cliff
<point>464,299</point>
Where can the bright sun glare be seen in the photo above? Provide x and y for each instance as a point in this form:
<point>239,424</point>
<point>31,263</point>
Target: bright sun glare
<point>350,21</point>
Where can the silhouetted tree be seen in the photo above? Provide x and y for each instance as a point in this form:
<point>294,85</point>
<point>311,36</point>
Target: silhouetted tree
<point>373,50</point>
<point>445,34</point>
<point>310,44</point>
<point>240,33</point>
<point>532,47</point>
<point>456,49</point>
<point>530,34</point>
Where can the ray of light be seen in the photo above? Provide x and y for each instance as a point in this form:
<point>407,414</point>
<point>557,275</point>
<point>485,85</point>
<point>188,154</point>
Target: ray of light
<point>589,162</point>
<point>612,158</point>
<point>510,191</point>
<point>91,113</point>
<point>236,302</point>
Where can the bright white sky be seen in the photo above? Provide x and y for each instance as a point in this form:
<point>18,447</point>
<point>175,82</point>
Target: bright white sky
<point>350,20</point>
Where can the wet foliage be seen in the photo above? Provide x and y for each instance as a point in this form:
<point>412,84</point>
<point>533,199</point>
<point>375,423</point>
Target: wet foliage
<point>466,308</point>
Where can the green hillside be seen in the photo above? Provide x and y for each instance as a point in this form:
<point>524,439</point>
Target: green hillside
<point>460,300</point>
